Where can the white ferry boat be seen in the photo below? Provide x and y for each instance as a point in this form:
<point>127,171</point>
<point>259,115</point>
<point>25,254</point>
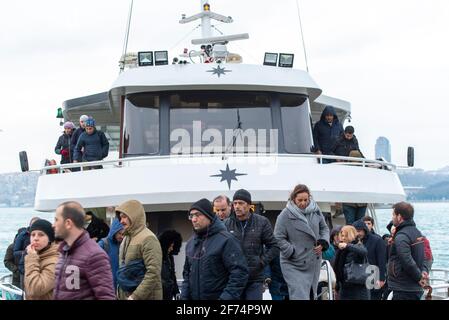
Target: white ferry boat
<point>203,124</point>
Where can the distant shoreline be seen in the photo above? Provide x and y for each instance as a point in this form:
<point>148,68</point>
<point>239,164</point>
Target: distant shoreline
<point>411,201</point>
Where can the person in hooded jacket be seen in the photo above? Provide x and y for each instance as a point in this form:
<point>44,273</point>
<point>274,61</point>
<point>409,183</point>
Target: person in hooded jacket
<point>64,145</point>
<point>376,255</point>
<point>141,246</point>
<point>40,262</point>
<point>215,267</point>
<point>111,244</point>
<point>350,249</point>
<point>171,242</point>
<point>302,236</point>
<point>326,131</point>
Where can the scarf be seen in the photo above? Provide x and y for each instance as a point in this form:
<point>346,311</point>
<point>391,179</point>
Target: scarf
<point>304,215</point>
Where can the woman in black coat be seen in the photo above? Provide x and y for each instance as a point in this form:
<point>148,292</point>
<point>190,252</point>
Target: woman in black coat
<point>350,249</point>
<point>171,242</point>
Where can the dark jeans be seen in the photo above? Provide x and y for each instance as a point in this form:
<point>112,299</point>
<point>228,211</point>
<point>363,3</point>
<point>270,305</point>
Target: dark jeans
<point>403,295</point>
<point>352,214</point>
<point>253,291</point>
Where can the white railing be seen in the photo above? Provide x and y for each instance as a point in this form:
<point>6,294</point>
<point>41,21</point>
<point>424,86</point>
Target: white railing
<point>7,290</point>
<point>328,291</point>
<point>118,163</point>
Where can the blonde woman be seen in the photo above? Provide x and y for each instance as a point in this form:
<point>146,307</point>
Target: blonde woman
<point>40,262</point>
<point>350,249</point>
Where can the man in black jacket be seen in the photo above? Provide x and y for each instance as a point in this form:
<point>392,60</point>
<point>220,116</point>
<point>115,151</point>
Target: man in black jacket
<point>326,131</point>
<point>407,273</point>
<point>215,268</point>
<point>346,143</point>
<point>377,256</point>
<point>255,234</point>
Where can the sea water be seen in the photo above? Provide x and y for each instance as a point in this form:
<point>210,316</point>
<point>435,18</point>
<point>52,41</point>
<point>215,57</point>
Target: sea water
<point>431,218</point>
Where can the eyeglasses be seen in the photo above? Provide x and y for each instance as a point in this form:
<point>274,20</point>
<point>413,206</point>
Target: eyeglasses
<point>89,128</point>
<point>196,215</point>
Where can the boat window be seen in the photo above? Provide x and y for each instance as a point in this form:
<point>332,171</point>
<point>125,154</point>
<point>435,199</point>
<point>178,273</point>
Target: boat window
<point>217,122</point>
<point>141,124</point>
<point>296,123</point>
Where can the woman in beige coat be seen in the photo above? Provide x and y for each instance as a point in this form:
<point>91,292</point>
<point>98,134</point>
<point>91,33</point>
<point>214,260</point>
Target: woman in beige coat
<point>40,262</point>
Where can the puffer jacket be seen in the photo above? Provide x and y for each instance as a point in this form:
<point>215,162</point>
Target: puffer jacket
<point>141,244</point>
<point>39,278</point>
<point>325,135</point>
<point>257,241</point>
<point>215,267</point>
<point>96,147</point>
<point>406,262</point>
<point>83,271</point>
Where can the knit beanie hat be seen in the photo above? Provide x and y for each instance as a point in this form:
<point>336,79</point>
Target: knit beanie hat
<point>44,226</point>
<point>205,207</point>
<point>242,194</point>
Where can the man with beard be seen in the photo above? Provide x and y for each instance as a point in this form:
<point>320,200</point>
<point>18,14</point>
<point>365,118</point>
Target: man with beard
<point>83,271</point>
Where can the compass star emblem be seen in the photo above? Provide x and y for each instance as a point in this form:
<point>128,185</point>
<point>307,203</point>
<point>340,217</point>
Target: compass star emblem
<point>219,71</point>
<point>228,175</point>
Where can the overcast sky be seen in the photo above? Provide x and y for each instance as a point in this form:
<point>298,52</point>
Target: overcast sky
<point>390,59</point>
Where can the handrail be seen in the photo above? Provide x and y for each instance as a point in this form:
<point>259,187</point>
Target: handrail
<point>7,290</point>
<point>330,288</point>
<point>119,162</point>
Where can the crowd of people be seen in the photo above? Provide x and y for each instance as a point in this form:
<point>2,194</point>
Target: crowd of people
<point>82,144</point>
<point>233,254</point>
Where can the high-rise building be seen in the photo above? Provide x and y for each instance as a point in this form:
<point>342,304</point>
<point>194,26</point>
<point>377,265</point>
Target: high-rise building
<point>383,149</point>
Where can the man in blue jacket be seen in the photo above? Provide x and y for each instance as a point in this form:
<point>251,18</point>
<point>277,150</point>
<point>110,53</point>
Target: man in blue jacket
<point>94,144</point>
<point>326,131</point>
<point>215,267</point>
<point>407,272</point>
<point>111,244</point>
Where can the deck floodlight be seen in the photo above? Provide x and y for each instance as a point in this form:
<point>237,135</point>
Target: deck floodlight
<point>206,7</point>
<point>271,59</point>
<point>145,58</point>
<point>160,58</point>
<point>286,60</point>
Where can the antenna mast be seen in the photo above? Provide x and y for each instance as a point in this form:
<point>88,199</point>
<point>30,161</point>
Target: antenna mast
<point>302,36</point>
<point>125,45</point>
